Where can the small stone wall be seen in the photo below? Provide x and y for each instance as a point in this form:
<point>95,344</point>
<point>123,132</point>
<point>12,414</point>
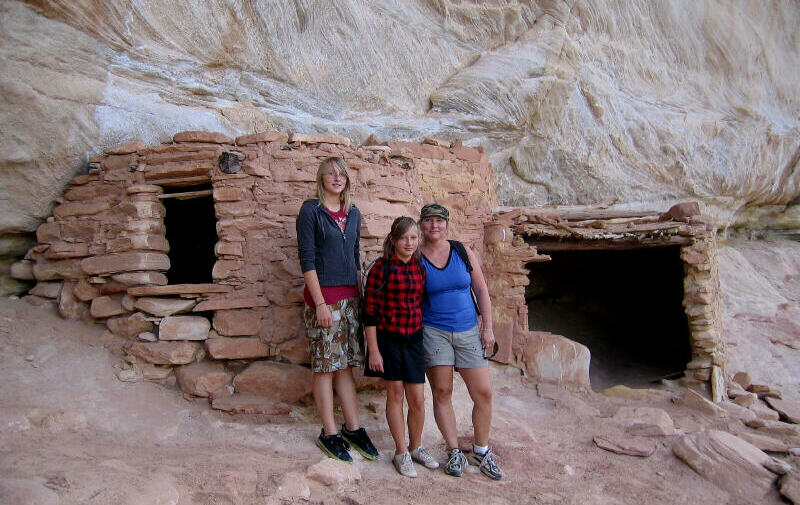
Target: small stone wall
<point>103,254</point>
<point>554,358</point>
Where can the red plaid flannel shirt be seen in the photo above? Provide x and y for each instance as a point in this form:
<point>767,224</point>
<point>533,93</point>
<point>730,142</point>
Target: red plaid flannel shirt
<point>397,307</point>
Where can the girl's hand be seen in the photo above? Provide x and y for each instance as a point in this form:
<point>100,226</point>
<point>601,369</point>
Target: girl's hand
<point>375,361</point>
<point>487,339</point>
<point>324,316</point>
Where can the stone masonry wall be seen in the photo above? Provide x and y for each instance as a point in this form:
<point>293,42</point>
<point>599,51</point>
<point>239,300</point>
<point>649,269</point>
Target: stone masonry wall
<point>103,254</point>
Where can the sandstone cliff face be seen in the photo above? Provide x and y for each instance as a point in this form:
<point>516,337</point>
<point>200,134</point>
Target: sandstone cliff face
<point>577,102</point>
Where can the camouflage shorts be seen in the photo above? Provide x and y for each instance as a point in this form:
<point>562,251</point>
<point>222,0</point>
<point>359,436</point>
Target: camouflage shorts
<point>337,347</point>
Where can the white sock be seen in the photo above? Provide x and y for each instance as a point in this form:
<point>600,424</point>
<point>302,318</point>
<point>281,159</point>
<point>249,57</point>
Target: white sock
<point>480,449</point>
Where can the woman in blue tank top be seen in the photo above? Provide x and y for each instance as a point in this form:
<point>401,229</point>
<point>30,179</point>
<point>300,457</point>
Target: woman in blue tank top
<point>452,339</point>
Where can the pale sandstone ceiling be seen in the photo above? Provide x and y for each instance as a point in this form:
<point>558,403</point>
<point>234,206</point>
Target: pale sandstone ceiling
<point>641,102</point>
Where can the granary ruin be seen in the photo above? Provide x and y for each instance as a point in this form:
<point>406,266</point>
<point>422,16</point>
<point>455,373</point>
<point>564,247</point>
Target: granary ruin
<point>188,251</point>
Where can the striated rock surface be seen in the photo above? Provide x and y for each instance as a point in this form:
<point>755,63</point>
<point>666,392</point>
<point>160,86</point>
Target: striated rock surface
<point>576,101</point>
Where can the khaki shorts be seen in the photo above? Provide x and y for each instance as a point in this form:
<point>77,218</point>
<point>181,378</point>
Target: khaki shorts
<point>459,349</point>
<point>337,347</point>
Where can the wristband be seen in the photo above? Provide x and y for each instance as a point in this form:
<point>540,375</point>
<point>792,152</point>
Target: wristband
<point>320,303</point>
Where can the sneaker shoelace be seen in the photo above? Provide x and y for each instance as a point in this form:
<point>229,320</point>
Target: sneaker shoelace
<point>488,461</point>
<point>456,460</point>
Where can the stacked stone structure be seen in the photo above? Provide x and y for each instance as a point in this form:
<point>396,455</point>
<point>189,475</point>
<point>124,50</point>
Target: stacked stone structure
<point>514,238</point>
<point>103,254</point>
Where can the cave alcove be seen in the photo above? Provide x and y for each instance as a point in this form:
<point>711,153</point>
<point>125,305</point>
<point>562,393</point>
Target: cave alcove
<point>624,305</point>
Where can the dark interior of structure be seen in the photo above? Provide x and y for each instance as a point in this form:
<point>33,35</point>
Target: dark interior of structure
<point>625,306</point>
<point>192,234</point>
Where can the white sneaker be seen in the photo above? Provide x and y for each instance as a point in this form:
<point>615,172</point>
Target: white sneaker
<point>402,462</point>
<point>421,456</point>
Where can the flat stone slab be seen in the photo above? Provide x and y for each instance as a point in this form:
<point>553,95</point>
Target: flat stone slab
<point>239,348</point>
<point>246,403</point>
<point>179,289</point>
<point>790,486</point>
<point>279,381</point>
<point>106,306</point>
<point>164,353</point>
<point>626,444</point>
<point>789,410</point>
<point>730,462</point>
<point>333,472</point>
<point>763,442</point>
<point>164,306</point>
<point>125,262</point>
<point>223,303</point>
<point>184,328</point>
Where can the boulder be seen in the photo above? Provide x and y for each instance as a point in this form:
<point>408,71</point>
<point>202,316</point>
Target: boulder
<point>164,306</point>
<point>332,472</point>
<point>645,421</point>
<point>164,353</point>
<point>279,381</point>
<point>47,289</point>
<point>695,400</point>
<point>730,462</point>
<point>763,442</point>
<point>743,379</point>
<point>554,359</point>
<point>203,378</point>
<point>183,328</point>
<point>626,444</point>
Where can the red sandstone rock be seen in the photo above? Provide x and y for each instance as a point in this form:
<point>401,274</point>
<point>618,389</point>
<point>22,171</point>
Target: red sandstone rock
<point>139,278</point>
<point>106,306</point>
<point>169,170</point>
<point>228,249</point>
<point>47,289</point>
<point>69,307</point>
<point>730,462</point>
<point>126,147</point>
<point>227,302</point>
<point>789,410</point>
<point>84,291</point>
<point>118,163</point>
<point>330,472</point>
<point>645,421</point>
<point>682,211</point>
<point>555,359</point>
<point>81,208</point>
<point>113,288</point>
<point>164,353</point>
<point>83,179</point>
<point>237,322</point>
<point>129,326</point>
<point>175,156</point>
<point>269,136</point>
<point>279,381</point>
<point>91,191</point>
<point>201,136</point>
<point>164,306</point>
<point>47,233</point>
<point>125,262</point>
<point>202,378</point>
<point>224,268</point>
<point>183,328</point>
<point>229,194</point>
<point>622,444</point>
<point>179,289</point>
<point>239,348</point>
<point>315,138</point>
<point>60,269</point>
<point>63,250</point>
<point>21,270</point>
<point>144,189</point>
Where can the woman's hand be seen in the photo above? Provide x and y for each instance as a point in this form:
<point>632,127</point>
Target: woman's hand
<point>487,339</point>
<point>375,361</point>
<point>324,316</point>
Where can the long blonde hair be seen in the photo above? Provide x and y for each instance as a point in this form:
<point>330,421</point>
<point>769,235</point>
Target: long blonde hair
<point>338,164</point>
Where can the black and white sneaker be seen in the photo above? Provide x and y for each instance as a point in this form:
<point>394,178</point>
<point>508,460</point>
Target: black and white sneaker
<point>360,442</point>
<point>456,462</point>
<point>334,446</point>
<point>486,463</point>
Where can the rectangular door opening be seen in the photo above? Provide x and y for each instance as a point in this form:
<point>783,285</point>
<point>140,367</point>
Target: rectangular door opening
<point>191,232</point>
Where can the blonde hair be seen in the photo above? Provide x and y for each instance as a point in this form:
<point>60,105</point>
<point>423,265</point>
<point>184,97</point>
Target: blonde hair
<point>338,164</point>
<point>399,227</point>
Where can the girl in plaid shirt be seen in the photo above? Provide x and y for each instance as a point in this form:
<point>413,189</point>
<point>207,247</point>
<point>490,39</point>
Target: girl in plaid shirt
<point>393,333</point>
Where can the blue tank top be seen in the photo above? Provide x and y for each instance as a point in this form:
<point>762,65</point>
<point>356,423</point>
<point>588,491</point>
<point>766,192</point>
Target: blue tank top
<point>449,305</point>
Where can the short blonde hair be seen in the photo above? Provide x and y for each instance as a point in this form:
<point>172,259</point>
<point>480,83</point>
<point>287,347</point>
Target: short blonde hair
<point>338,164</point>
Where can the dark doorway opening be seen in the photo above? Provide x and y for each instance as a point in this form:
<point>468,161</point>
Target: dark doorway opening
<point>625,306</point>
<point>192,234</point>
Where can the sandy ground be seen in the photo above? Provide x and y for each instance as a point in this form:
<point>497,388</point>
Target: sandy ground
<point>72,433</point>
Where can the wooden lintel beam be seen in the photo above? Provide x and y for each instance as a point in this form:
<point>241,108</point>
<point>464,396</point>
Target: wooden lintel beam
<point>546,246</point>
<point>186,195</point>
